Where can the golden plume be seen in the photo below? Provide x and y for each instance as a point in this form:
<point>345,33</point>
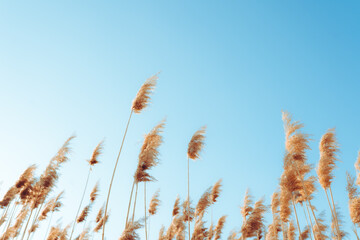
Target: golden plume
<point>149,153</point>
<point>154,203</point>
<point>215,191</point>
<point>97,151</point>
<point>196,143</point>
<point>328,156</point>
<point>142,98</point>
<point>176,207</point>
<point>219,227</point>
<point>130,231</point>
<point>94,192</point>
<point>203,203</point>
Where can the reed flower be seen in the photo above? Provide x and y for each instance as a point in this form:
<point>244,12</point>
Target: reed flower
<point>142,98</point>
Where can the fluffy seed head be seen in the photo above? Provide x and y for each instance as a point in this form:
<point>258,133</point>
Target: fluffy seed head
<point>142,98</point>
<point>196,143</point>
<point>97,151</point>
<point>149,153</point>
<point>328,156</point>
<point>154,203</point>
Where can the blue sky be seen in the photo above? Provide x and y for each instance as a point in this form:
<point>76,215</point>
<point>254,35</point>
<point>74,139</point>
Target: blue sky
<point>74,67</point>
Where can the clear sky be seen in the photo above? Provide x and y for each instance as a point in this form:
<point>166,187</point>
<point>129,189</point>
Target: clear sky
<point>75,66</point>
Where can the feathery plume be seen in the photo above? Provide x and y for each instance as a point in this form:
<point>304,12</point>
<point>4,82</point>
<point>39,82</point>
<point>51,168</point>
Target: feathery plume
<point>188,211</point>
<point>9,196</point>
<point>254,222</point>
<point>320,228</point>
<point>196,143</point>
<point>97,151</point>
<point>154,203</point>
<point>25,177</point>
<point>291,231</point>
<point>94,192</point>
<point>130,231</point>
<point>215,191</point>
<point>99,214</point>
<point>84,213</point>
<point>142,98</point>
<point>247,209</point>
<point>203,203</point>
<point>176,208</point>
<point>305,234</point>
<point>149,153</point>
<point>219,227</point>
<point>200,231</point>
<point>101,223</point>
<point>350,187</point>
<point>328,156</point>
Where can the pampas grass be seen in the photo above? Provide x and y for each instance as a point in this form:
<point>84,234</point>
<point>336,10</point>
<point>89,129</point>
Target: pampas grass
<point>29,201</point>
<point>140,102</point>
<point>195,146</point>
<point>92,162</point>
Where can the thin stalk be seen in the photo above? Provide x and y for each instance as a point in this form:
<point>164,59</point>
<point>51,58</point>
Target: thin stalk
<point>283,230</point>
<point>306,194</point>
<point>112,177</point>
<point>27,223</point>
<point>307,221</point>
<point>82,198</point>
<point>312,227</point>
<point>355,231</point>
<point>336,218</point>
<point>297,220</point>
<point>188,207</point>
<point>149,225</point>
<point>332,213</point>
<point>145,209</point>
<point>133,216</point>
<point>47,229</point>
<point>35,218</point>
<point>128,211</point>
<point>5,212</point>
<point>274,227</point>
<point>11,215</point>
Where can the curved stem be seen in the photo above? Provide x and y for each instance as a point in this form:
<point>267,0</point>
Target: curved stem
<point>133,215</point>
<point>188,206</point>
<point>128,211</point>
<point>336,218</point>
<point>11,216</point>
<point>312,227</point>
<point>307,221</point>
<point>82,198</point>
<point>112,177</point>
<point>47,229</point>
<point>332,214</point>
<point>297,220</point>
<point>145,209</point>
<point>35,219</point>
<point>27,223</point>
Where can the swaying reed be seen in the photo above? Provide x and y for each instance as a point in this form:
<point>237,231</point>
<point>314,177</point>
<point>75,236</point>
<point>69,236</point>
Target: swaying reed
<point>92,162</point>
<point>140,102</point>
<point>253,220</point>
<point>195,146</point>
<point>130,230</point>
<point>28,203</point>
<point>328,156</point>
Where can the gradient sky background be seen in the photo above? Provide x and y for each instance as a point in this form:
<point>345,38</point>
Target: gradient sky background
<point>74,67</point>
